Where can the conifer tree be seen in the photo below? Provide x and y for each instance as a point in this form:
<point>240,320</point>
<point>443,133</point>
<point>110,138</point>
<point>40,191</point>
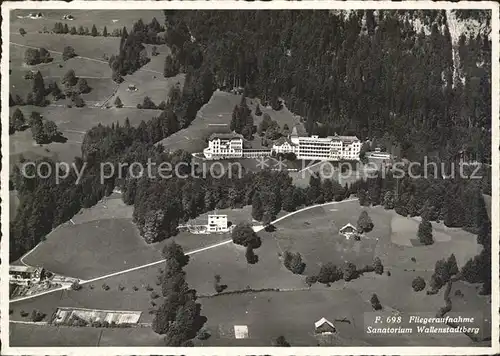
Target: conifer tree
<point>425,232</point>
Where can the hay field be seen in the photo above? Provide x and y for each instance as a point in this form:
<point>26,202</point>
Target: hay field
<point>93,246</point>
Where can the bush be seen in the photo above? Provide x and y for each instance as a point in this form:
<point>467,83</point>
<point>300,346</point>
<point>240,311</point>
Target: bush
<point>147,103</point>
<point>118,102</point>
<point>76,285</point>
<point>365,223</point>
<point>281,341</point>
<point>154,295</point>
<point>310,280</point>
<point>418,284</point>
<point>32,56</point>
<point>135,289</point>
<point>251,257</point>
<point>375,302</point>
<point>244,235</point>
<point>459,293</point>
<point>219,288</point>
<point>37,316</point>
<point>23,313</point>
<point>293,262</point>
<point>163,105</point>
<point>68,52</point>
<point>79,103</point>
<point>82,86</point>
<point>425,232</point>
<point>258,112</point>
<point>105,286</point>
<point>203,334</point>
<point>148,288</point>
<point>329,273</point>
<point>377,266</point>
<point>350,271</point>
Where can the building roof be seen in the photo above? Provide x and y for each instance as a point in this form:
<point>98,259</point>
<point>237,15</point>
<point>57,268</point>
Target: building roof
<point>25,269</point>
<point>321,322</point>
<point>348,225</point>
<point>344,138</point>
<point>282,140</point>
<point>226,136</point>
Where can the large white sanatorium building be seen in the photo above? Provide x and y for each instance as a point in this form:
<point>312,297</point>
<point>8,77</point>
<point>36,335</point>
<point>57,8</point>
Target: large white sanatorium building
<point>331,148</point>
<point>224,145</point>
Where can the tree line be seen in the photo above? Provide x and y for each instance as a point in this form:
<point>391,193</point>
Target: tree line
<point>149,31</point>
<point>132,54</point>
<point>179,316</point>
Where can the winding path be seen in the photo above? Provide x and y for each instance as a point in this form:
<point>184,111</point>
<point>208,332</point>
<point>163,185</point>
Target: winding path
<point>192,252</point>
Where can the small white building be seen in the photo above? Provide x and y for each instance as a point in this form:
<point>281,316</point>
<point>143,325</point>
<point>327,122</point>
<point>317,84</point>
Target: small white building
<point>217,223</point>
<point>25,275</point>
<point>224,146</point>
<point>378,154</point>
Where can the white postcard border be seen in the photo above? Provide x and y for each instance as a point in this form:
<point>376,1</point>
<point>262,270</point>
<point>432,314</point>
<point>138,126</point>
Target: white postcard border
<point>241,5</point>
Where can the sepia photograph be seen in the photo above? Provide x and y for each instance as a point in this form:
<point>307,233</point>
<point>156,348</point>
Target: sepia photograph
<point>250,176</point>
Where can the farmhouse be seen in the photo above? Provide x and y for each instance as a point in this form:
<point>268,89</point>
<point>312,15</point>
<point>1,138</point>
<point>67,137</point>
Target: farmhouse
<point>324,326</point>
<point>348,230</point>
<point>25,275</point>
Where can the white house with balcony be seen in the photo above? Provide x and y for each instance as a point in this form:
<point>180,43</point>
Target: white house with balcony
<point>217,223</point>
<point>331,148</point>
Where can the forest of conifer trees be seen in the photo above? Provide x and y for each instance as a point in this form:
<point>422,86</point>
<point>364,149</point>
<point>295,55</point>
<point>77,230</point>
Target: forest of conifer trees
<point>355,78</point>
